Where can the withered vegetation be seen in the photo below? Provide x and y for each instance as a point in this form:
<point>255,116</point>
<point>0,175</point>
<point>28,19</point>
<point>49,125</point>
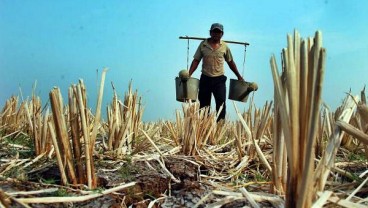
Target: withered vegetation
<point>291,152</point>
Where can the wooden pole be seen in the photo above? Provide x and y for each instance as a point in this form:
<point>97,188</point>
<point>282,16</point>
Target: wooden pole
<point>227,41</point>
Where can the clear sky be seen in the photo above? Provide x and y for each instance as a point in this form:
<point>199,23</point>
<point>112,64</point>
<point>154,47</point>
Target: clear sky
<point>58,42</point>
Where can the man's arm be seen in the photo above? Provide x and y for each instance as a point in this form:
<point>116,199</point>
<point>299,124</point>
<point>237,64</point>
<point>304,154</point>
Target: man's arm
<point>233,68</point>
<point>193,66</point>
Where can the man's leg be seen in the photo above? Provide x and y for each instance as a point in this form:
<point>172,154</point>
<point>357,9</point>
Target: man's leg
<point>219,92</point>
<point>204,94</point>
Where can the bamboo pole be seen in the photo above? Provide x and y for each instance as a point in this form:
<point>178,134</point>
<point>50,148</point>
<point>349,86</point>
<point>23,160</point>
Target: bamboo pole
<point>227,41</point>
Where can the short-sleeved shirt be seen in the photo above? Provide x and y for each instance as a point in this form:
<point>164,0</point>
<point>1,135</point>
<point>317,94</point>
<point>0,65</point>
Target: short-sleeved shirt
<point>213,60</point>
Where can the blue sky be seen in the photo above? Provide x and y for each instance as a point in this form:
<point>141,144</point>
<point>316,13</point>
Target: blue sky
<point>58,42</point>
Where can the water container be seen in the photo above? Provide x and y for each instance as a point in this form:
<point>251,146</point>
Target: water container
<point>239,90</point>
<point>186,89</point>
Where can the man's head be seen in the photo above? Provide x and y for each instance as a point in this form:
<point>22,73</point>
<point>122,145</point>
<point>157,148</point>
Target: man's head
<point>217,31</point>
<point>217,26</point>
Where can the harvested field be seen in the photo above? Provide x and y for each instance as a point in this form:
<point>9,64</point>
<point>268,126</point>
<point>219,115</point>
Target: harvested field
<point>292,152</point>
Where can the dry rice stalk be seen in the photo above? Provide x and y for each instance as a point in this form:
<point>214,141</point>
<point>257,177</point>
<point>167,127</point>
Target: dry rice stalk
<point>59,158</point>
<point>10,117</point>
<point>4,199</point>
<point>279,155</point>
<point>28,193</point>
<point>359,187</point>
<point>75,134</point>
<point>91,179</point>
<point>49,200</point>
<point>78,117</point>
<point>124,121</point>
<point>353,131</point>
<point>45,138</point>
<point>36,120</point>
<point>39,132</point>
<point>249,197</point>
<point>322,199</point>
<point>62,133</point>
<point>239,144</point>
<point>152,142</point>
<point>328,158</point>
<point>344,202</point>
<point>276,201</point>
<point>26,118</point>
<point>259,151</point>
<point>195,128</point>
<point>297,102</point>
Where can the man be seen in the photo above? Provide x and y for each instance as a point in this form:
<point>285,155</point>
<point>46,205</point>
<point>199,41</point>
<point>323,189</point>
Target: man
<point>214,52</point>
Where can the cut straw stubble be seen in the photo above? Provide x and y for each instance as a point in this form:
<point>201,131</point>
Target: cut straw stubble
<point>61,133</point>
<point>297,103</point>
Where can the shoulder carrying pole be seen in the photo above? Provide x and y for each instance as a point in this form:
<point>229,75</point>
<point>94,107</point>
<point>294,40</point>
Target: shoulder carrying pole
<point>227,41</point>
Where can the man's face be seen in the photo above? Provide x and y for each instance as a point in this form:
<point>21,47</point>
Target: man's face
<point>216,34</point>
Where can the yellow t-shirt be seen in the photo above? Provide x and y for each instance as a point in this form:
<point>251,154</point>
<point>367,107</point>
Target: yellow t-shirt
<point>213,60</point>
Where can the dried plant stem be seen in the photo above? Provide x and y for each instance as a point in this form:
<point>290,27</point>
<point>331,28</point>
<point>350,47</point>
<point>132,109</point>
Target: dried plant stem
<point>74,129</point>
<point>298,93</point>
<point>27,193</point>
<point>98,108</point>
<point>58,154</point>
<point>306,188</point>
<point>96,125</point>
<point>44,138</point>
<point>62,133</point>
<point>322,199</point>
<point>353,131</point>
<point>259,151</point>
<point>86,137</point>
<point>152,142</point>
<point>49,200</point>
<point>249,197</point>
<point>328,158</point>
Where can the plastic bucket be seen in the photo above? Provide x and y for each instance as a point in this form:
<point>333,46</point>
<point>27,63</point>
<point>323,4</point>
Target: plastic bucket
<point>186,89</point>
<point>239,90</point>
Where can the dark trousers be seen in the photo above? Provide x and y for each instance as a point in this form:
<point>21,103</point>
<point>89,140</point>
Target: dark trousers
<point>217,87</point>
